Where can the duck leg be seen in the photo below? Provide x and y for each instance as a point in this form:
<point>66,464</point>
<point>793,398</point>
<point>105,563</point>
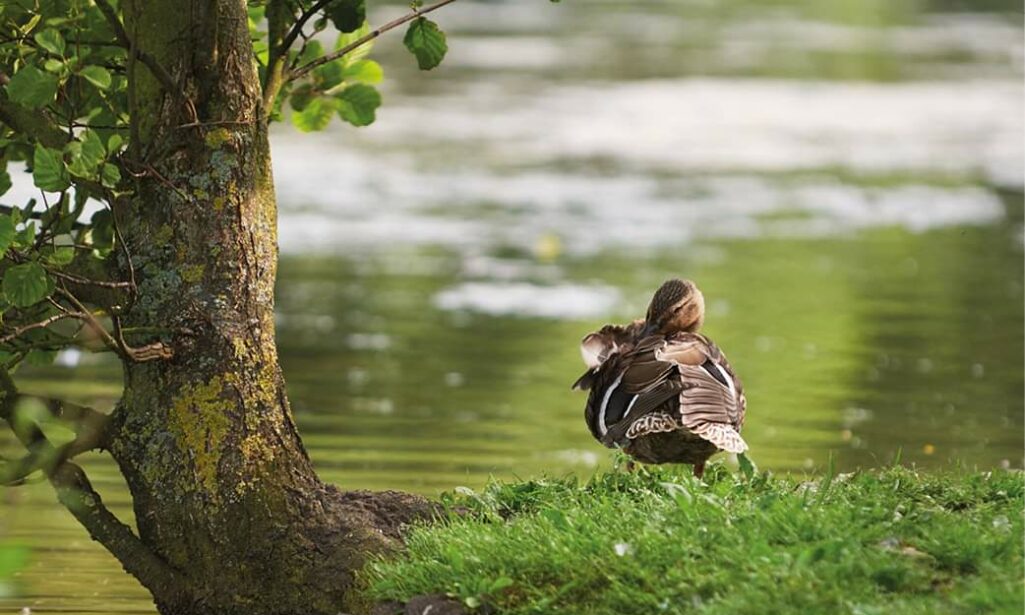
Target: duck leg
<point>699,469</point>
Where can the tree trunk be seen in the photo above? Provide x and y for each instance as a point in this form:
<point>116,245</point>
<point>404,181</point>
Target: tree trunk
<point>223,489</point>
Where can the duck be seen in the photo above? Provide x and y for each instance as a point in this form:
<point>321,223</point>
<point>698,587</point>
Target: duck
<point>660,390</point>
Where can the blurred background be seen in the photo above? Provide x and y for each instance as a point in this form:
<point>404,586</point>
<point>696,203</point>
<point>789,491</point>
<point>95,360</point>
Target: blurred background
<point>842,178</point>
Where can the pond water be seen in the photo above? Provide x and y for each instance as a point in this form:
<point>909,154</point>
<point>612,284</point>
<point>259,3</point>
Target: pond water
<point>843,180</point>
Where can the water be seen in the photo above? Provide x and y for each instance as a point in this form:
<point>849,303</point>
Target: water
<point>844,181</point>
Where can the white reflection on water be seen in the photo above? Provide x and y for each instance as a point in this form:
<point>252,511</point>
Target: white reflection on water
<point>722,125</point>
<point>651,163</point>
<point>570,301</point>
<point>593,213</point>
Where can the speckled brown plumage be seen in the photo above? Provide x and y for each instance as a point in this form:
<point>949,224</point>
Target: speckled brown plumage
<point>659,390</point>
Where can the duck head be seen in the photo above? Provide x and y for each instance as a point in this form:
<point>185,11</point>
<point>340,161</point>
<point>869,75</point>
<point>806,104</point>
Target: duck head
<point>677,306</point>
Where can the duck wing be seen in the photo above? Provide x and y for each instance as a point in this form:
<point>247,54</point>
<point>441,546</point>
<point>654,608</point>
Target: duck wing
<point>712,405</point>
<point>629,384</point>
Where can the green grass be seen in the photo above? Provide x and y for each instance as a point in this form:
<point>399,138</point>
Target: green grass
<point>659,541</point>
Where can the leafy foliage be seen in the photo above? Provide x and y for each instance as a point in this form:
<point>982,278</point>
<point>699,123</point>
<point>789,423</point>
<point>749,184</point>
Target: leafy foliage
<point>329,75</point>
<point>64,79</point>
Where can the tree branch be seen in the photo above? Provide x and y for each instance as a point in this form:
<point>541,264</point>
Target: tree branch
<point>391,25</point>
<point>274,79</point>
<point>297,28</point>
<point>158,71</point>
<point>42,324</point>
<point>122,39</point>
<point>91,429</point>
<point>76,493</point>
<point>34,124</point>
<point>149,352</point>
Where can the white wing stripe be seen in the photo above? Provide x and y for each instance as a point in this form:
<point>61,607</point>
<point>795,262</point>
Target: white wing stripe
<point>605,405</point>
<point>726,377</point>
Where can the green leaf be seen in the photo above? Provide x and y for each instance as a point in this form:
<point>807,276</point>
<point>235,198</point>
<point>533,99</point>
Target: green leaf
<point>61,256</point>
<point>311,52</point>
<point>73,158</point>
<point>31,23</point>
<point>327,76</point>
<point>316,115</point>
<point>427,42</point>
<point>110,175</point>
<point>48,171</point>
<point>32,87</point>
<point>5,182</point>
<point>346,39</point>
<point>54,65</point>
<point>97,75</point>
<point>747,467</point>
<point>114,143</point>
<point>301,97</point>
<point>93,151</point>
<point>261,49</point>
<point>26,236</point>
<point>26,285</point>
<point>51,40</point>
<point>364,71</point>
<point>41,358</point>
<point>7,233</point>
<point>102,232</point>
<point>347,15</point>
<point>499,584</point>
<point>357,104</point>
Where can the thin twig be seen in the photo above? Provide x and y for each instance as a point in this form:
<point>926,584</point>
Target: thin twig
<point>217,123</point>
<point>297,28</point>
<point>148,170</point>
<point>391,25</point>
<point>124,248</point>
<point>140,354</point>
<point>74,279</point>
<point>96,325</point>
<point>42,324</point>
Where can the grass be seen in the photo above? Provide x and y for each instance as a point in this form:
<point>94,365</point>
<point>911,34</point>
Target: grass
<point>894,541</point>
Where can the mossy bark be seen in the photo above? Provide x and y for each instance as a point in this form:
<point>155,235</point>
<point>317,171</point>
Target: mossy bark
<point>223,489</point>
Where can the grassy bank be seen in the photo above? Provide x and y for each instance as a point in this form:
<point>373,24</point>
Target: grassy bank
<point>658,541</point>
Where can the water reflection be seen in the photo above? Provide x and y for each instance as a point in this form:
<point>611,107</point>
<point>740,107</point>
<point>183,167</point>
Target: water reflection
<point>861,346</point>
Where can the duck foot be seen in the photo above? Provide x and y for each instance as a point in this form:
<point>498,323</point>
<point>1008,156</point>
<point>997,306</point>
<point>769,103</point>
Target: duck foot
<point>699,469</point>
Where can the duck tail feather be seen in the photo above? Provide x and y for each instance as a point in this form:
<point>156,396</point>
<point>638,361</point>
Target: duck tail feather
<point>585,382</point>
<point>722,436</point>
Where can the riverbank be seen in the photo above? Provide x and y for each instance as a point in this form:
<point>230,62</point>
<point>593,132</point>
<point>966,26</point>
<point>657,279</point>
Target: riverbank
<point>659,541</point>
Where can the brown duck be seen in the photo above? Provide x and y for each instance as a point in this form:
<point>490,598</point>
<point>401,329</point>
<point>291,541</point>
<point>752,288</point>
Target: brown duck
<point>660,390</point>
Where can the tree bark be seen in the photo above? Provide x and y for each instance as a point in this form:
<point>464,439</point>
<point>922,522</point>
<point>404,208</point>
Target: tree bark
<point>223,490</point>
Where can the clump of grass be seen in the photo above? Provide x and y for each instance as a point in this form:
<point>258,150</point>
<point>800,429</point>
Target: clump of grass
<point>659,541</point>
